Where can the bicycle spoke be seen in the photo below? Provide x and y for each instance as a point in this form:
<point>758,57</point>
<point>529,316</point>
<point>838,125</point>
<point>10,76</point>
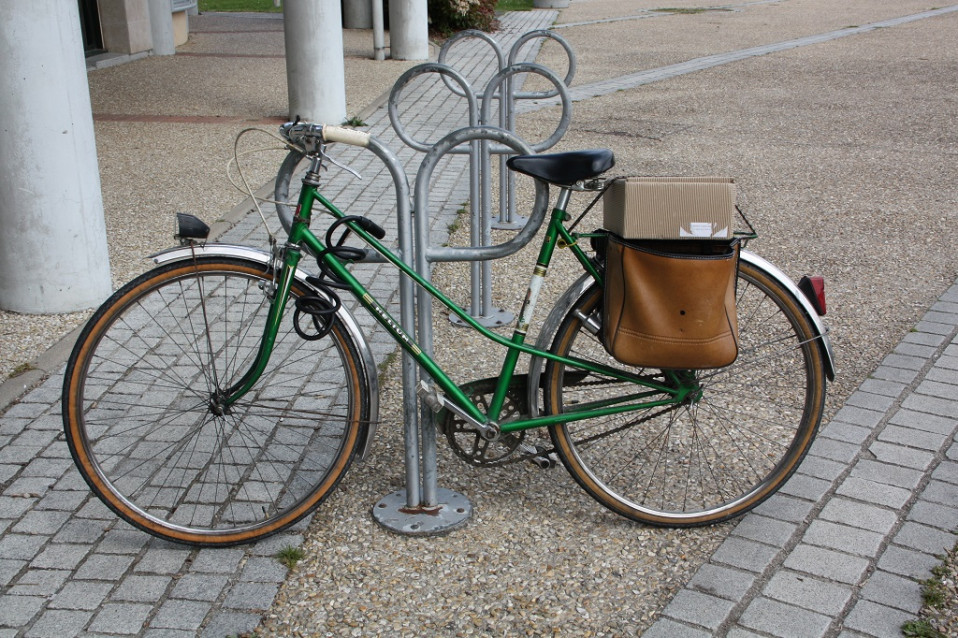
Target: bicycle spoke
<point>145,414</point>
<point>737,436</point>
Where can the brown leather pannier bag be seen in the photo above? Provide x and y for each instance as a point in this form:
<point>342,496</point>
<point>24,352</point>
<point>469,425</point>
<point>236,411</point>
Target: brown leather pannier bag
<point>671,304</point>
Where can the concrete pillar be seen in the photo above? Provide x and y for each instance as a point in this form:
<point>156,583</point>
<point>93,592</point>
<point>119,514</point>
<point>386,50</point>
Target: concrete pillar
<point>357,14</point>
<point>125,25</point>
<point>379,31</point>
<point>53,248</point>
<point>161,26</point>
<point>315,69</point>
<point>409,30</point>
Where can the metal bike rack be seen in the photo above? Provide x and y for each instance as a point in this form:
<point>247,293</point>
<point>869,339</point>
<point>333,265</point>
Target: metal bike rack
<point>422,508</point>
<point>498,88</point>
<point>507,219</point>
<point>407,300</point>
<point>507,208</point>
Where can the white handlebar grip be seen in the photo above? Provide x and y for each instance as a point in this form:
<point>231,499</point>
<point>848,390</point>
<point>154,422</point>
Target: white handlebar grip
<point>345,136</point>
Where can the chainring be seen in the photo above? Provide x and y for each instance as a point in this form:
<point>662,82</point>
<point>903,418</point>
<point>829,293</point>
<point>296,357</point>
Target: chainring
<point>466,441</point>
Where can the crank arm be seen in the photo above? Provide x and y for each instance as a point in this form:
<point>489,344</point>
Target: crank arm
<point>431,397</point>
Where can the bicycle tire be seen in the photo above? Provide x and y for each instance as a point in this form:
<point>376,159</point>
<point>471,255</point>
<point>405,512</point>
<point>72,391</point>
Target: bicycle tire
<point>146,433</point>
<point>706,460</point>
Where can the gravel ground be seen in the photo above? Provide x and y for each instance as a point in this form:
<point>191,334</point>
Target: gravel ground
<point>844,155</point>
<point>539,557</point>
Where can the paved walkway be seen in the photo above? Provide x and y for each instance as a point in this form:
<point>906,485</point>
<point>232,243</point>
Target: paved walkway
<point>841,546</point>
<point>838,550</point>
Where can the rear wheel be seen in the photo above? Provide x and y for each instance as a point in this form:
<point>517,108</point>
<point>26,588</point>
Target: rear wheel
<point>723,451</point>
<point>147,427</point>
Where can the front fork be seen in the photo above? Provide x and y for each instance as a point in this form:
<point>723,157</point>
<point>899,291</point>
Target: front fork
<point>279,296</point>
<point>289,255</point>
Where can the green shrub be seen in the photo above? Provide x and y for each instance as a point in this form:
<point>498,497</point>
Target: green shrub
<point>448,16</point>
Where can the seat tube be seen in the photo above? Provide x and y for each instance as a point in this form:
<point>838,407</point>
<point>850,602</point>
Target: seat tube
<point>545,257</point>
<point>529,304</point>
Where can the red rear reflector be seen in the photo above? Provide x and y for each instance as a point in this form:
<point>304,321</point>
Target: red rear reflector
<point>814,289</point>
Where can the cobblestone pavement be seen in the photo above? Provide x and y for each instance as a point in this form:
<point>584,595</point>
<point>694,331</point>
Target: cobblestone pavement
<point>871,509</point>
<point>838,551</point>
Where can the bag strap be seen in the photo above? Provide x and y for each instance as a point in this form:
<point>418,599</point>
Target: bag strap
<point>595,200</point>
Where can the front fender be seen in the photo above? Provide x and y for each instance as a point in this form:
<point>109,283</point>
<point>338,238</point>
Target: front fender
<point>367,361</point>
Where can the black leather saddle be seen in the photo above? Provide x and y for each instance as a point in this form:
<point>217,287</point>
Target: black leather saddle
<point>564,169</point>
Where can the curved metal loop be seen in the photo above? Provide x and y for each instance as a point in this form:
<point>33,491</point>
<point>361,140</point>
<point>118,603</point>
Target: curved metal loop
<point>285,211</point>
<point>475,253</point>
<point>543,34</point>
<point>405,78</point>
<point>462,35</point>
<point>561,90</point>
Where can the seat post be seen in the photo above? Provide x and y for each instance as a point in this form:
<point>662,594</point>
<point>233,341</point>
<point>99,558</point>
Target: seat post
<point>562,202</point>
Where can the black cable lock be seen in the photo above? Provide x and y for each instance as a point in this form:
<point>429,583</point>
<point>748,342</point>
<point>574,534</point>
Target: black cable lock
<point>322,308</point>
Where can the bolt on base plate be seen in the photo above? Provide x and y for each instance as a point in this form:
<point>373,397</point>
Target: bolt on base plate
<point>452,512</point>
<point>518,222</point>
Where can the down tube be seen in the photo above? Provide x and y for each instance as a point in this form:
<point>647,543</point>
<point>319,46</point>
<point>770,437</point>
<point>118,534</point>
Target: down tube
<point>387,321</point>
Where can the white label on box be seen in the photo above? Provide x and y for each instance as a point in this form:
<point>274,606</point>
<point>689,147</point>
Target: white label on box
<point>702,229</point>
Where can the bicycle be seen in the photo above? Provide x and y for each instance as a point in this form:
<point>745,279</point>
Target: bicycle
<point>222,396</point>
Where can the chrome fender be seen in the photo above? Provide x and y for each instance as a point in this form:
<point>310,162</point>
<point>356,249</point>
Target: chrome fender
<point>581,285</point>
<point>821,330</point>
<point>367,361</point>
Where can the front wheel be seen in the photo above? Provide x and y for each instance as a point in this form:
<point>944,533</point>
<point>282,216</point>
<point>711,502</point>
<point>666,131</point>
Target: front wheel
<point>146,423</point>
<point>719,453</point>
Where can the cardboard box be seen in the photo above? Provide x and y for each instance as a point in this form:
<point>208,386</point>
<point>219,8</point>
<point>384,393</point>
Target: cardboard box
<point>670,207</point>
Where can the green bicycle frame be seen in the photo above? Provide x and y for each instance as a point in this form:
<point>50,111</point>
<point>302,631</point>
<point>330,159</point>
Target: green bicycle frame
<point>674,392</point>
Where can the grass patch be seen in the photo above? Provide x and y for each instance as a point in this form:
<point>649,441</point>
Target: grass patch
<point>290,555</point>
<point>933,591</point>
<point>23,368</point>
<point>267,6</point>
<point>384,369</point>
<point>920,629</point>
<point>457,222</point>
<point>254,6</point>
<point>514,5</point>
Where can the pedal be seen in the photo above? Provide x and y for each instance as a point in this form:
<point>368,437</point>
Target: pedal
<point>539,456</point>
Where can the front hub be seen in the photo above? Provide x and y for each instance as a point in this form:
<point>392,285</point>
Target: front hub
<point>217,404</point>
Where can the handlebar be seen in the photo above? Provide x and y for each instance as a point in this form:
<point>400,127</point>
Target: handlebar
<point>310,136</point>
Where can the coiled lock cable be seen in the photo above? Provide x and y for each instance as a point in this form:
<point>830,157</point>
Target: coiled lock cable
<point>322,308</point>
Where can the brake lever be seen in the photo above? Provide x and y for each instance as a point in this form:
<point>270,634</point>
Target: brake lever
<point>341,165</point>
